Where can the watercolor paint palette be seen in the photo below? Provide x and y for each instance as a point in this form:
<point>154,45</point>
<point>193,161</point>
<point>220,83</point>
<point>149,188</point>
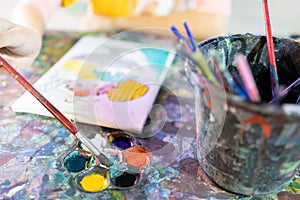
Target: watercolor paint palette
<point>101,81</point>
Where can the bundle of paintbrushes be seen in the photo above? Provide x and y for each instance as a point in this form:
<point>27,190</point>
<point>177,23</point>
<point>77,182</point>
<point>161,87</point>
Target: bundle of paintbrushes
<point>238,134</point>
<point>240,81</point>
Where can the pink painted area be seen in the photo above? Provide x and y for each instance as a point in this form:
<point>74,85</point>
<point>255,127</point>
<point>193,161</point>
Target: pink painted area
<point>105,89</point>
<point>32,129</point>
<point>6,157</point>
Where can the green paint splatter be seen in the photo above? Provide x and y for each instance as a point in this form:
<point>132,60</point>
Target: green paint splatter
<point>5,183</point>
<point>294,186</point>
<point>59,177</point>
<point>116,195</point>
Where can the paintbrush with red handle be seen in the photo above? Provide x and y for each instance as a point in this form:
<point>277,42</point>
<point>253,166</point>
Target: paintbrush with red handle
<point>271,52</point>
<point>56,113</point>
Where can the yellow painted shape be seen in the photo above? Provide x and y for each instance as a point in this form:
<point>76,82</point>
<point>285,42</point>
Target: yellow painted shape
<point>94,183</point>
<point>127,90</point>
<point>84,69</point>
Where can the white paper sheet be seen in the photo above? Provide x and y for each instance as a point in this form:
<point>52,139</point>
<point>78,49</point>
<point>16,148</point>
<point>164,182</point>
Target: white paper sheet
<point>101,81</point>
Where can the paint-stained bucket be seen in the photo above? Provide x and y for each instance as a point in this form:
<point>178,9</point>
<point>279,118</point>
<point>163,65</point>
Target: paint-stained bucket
<point>248,148</point>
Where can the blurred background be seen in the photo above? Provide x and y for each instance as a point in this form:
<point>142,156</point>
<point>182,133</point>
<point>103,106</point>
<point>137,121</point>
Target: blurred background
<point>247,16</point>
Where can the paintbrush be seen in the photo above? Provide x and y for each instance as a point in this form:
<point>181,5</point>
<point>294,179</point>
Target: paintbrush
<point>199,62</point>
<point>298,99</point>
<point>200,57</point>
<point>284,92</point>
<point>271,52</point>
<point>181,38</point>
<point>247,77</point>
<point>190,35</point>
<point>228,80</point>
<point>193,52</point>
<point>56,113</point>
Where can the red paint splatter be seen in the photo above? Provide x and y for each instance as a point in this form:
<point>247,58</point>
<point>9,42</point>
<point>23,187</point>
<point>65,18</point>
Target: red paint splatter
<point>264,124</point>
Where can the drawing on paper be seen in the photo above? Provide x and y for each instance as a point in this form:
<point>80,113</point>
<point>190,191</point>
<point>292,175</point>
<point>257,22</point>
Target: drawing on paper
<point>111,83</point>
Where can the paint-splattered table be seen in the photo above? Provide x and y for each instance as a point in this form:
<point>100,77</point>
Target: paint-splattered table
<point>31,146</point>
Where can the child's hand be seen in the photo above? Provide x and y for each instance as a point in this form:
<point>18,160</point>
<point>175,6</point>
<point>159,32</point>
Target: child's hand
<point>18,45</point>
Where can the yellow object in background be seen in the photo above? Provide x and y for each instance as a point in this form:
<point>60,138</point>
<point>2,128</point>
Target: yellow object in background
<point>111,8</point>
<point>67,3</point>
<point>114,8</point>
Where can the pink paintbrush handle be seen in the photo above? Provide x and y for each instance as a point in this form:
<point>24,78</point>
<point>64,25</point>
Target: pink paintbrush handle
<point>247,77</point>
